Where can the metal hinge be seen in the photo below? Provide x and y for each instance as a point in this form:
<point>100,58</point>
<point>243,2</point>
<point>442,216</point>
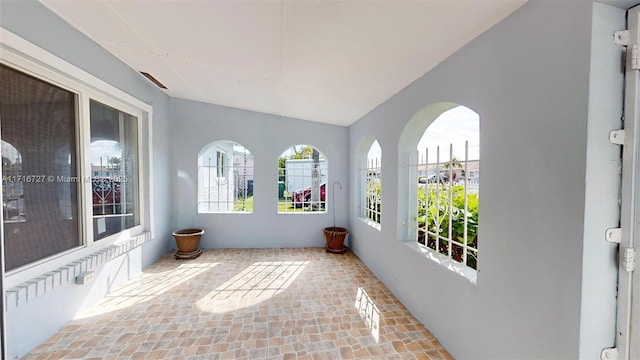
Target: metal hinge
<point>629,259</point>
<point>634,57</point>
<point>613,235</point>
<point>622,37</point>
<point>616,137</point>
<point>609,354</point>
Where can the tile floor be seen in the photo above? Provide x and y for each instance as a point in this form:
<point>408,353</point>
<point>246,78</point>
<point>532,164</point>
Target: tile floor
<point>248,304</point>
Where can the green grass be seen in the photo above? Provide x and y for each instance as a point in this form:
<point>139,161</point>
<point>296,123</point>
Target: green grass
<point>283,207</point>
<point>248,205</point>
<point>287,207</point>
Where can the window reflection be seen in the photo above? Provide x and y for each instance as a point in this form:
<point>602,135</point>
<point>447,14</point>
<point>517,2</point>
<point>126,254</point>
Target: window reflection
<point>114,170</point>
<point>40,205</point>
<point>12,189</point>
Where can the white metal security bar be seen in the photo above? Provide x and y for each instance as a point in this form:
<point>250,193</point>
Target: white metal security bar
<point>370,201</point>
<point>297,182</point>
<point>448,202</point>
<point>228,184</point>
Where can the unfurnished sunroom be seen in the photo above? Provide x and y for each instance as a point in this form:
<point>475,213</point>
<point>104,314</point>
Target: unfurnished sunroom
<point>278,119</point>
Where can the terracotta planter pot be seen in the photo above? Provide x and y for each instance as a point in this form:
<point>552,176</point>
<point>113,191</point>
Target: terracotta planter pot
<point>335,237</point>
<point>188,242</point>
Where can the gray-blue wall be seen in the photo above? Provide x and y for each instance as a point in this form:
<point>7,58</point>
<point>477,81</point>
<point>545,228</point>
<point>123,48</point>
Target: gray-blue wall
<point>267,137</point>
<point>528,78</point>
<point>544,282</point>
<point>35,23</point>
<point>29,324</point>
<point>602,184</point>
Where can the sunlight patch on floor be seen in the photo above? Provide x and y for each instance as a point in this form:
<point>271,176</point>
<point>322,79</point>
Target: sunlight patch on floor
<point>258,282</point>
<point>308,305</point>
<point>146,287</point>
<point>369,312</point>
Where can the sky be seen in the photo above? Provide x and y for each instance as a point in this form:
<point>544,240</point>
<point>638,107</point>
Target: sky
<point>241,149</point>
<point>104,149</point>
<point>455,126</point>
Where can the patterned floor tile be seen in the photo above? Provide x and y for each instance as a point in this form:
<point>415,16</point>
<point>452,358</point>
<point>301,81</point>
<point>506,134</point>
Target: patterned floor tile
<point>248,304</point>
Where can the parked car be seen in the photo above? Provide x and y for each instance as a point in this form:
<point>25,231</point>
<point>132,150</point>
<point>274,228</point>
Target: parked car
<point>433,179</point>
<point>303,197</point>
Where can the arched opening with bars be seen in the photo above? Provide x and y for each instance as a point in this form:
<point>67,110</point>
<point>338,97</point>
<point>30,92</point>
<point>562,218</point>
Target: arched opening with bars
<point>225,178</point>
<point>302,180</point>
<point>444,181</point>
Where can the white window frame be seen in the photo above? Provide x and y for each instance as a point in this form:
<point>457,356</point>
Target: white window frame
<point>32,60</point>
<point>221,160</point>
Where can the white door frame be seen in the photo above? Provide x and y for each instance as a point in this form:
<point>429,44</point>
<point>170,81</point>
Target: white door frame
<point>628,318</point>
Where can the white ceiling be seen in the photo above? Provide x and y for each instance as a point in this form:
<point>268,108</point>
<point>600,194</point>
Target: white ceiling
<point>325,61</point>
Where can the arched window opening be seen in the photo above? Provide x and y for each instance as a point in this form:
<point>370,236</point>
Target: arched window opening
<point>225,178</point>
<point>302,180</point>
<point>371,184</point>
<point>447,165</point>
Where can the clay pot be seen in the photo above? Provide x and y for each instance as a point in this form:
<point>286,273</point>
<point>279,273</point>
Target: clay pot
<point>188,242</point>
<point>335,237</point>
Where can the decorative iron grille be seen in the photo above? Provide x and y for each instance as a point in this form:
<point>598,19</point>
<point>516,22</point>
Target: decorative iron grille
<point>448,202</point>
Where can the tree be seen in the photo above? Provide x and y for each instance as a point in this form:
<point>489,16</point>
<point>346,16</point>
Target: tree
<point>305,152</point>
<point>114,162</point>
<point>282,164</point>
<point>453,163</point>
